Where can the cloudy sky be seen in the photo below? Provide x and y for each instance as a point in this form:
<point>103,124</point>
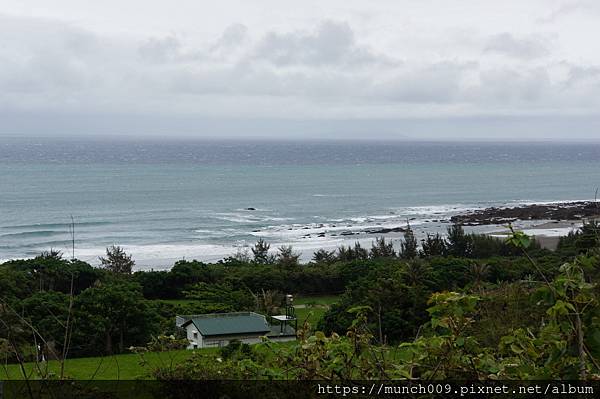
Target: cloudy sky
<point>277,68</point>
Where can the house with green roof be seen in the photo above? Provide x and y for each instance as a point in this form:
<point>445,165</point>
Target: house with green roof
<point>218,329</point>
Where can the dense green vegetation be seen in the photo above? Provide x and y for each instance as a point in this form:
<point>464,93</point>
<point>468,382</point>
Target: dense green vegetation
<point>460,306</point>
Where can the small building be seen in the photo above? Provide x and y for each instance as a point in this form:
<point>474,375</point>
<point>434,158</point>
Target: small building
<point>218,329</point>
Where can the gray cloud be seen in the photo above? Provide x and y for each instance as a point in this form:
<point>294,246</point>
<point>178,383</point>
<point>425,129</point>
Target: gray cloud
<point>583,75</point>
<point>436,83</point>
<point>160,50</point>
<point>233,36</point>
<point>332,43</point>
<point>507,86</point>
<point>525,48</point>
<point>569,8</point>
<point>326,70</point>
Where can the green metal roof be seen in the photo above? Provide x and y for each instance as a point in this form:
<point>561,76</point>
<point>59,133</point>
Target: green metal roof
<point>229,323</point>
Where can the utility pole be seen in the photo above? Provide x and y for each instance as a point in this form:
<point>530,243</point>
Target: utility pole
<point>72,234</point>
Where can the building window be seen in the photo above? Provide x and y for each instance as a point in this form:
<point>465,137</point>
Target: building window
<point>195,335</point>
<point>195,346</point>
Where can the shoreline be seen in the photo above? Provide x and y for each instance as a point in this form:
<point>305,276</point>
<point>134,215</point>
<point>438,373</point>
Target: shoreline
<point>536,219</point>
<point>547,234</point>
<point>488,221</point>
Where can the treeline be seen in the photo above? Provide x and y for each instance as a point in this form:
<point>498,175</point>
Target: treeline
<point>73,309</point>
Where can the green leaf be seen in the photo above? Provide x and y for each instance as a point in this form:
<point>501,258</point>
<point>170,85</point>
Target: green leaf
<point>516,349</point>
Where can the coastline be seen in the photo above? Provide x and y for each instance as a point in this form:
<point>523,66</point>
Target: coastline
<point>489,221</point>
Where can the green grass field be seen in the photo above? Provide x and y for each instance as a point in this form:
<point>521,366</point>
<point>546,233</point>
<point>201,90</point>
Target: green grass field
<point>118,367</point>
<point>316,300</point>
<point>312,308</point>
<point>124,366</point>
<point>312,315</point>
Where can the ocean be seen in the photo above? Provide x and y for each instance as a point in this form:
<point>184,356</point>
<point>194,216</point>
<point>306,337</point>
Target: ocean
<point>165,200</point>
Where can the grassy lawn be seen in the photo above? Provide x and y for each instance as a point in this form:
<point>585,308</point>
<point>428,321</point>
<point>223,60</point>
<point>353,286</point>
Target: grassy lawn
<point>118,367</point>
<point>123,367</point>
<point>127,366</point>
<point>312,308</point>
<point>310,314</point>
<point>316,300</point>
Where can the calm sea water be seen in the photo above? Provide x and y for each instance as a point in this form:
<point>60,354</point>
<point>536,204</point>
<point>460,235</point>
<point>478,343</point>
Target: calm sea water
<point>167,200</point>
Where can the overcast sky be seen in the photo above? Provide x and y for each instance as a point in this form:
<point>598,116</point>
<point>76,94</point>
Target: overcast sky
<point>278,68</point>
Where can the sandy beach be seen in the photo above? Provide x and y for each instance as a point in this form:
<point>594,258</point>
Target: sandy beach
<point>547,234</point>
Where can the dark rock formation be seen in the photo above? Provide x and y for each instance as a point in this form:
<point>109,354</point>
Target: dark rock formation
<point>558,211</point>
<point>386,230</point>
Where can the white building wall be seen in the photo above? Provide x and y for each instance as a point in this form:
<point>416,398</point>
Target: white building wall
<point>195,342</point>
<point>200,341</point>
<point>203,342</point>
<point>282,338</point>
<point>225,339</point>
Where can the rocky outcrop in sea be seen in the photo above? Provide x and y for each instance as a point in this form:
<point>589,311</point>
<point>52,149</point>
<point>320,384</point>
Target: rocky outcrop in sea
<point>557,211</point>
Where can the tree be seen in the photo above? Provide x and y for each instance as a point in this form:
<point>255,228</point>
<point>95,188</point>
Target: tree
<point>117,261</point>
<point>218,298</point>
<point>360,253</point>
<point>479,273</point>
<point>261,253</point>
<point>13,284</point>
<point>324,256</point>
<point>48,313</point>
<point>408,248</point>
<point>433,245</point>
<point>583,239</point>
<point>416,272</point>
<point>381,296</point>
<point>287,258</point>
<point>50,273</point>
<point>345,254</point>
<point>382,249</point>
<point>348,254</point>
<point>417,275</point>
<point>111,313</point>
<point>54,254</point>
<point>459,244</point>
<point>241,257</point>
<point>268,301</point>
